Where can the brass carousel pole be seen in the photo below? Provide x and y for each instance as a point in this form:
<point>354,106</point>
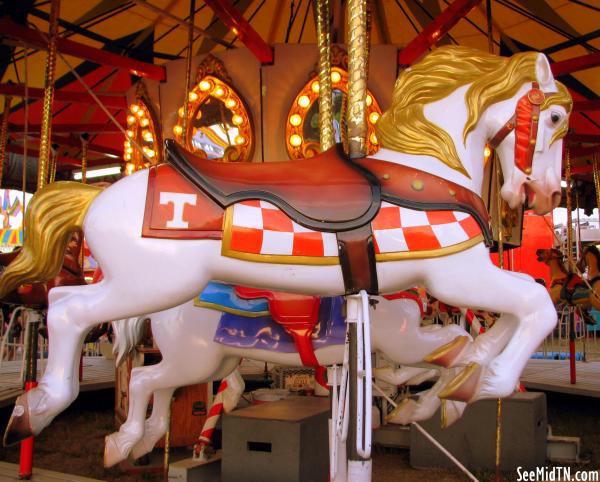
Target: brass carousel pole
<point>498,453</point>
<point>46,127</point>
<point>4,134</point>
<point>188,73</point>
<point>571,267</point>
<point>327,135</point>
<point>359,467</point>
<point>596,180</point>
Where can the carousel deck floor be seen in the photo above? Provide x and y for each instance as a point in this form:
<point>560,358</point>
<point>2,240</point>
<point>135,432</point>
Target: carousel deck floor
<point>98,373</point>
<point>10,472</point>
<point>553,376</point>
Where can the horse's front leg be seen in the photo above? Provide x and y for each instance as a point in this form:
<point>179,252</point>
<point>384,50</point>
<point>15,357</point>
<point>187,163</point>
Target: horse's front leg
<point>528,316</point>
<point>68,324</point>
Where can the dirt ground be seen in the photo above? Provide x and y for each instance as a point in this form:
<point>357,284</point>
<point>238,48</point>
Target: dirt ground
<point>74,442</point>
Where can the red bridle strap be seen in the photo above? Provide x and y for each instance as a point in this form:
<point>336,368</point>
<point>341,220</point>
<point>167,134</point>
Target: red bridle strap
<point>525,124</point>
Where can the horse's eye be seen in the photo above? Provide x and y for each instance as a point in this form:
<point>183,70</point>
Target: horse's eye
<point>555,117</point>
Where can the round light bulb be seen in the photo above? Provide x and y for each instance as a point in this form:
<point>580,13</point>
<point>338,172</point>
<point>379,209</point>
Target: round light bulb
<point>218,92</point>
<point>140,113</point>
<point>177,130</point>
<point>296,120</point>
<point>335,77</point>
<point>230,103</point>
<point>369,100</point>
<point>130,119</point>
<point>130,133</point>
<point>237,120</point>
<point>193,96</point>
<point>373,139</point>
<point>295,140</point>
<point>315,87</point>
<point>240,140</point>
<point>134,108</point>
<point>303,101</point>
<point>204,85</point>
<point>144,121</point>
<point>374,117</point>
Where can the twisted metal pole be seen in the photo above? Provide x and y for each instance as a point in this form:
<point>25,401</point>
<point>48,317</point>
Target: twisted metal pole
<point>188,74</point>
<point>46,127</point>
<point>327,134</point>
<point>4,134</point>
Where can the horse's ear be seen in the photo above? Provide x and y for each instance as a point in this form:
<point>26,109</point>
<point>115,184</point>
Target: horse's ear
<point>543,72</point>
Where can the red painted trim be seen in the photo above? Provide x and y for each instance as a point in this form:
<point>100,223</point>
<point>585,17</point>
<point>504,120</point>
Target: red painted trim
<point>117,100</point>
<point>578,63</point>
<point>586,105</point>
<point>431,34</point>
<point>68,128</point>
<point>249,37</point>
<point>38,40</point>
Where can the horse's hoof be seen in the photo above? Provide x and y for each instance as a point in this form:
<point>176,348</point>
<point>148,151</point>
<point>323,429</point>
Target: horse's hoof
<point>112,454</point>
<point>402,414</point>
<point>465,385</point>
<point>140,449</point>
<point>19,425</point>
<point>448,354</point>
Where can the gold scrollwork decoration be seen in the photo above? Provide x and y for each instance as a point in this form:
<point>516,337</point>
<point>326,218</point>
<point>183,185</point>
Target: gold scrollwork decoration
<point>219,124</point>
<point>302,129</point>
<point>143,130</point>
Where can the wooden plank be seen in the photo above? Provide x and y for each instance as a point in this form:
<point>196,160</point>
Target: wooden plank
<point>98,374</point>
<point>553,375</point>
<point>10,472</point>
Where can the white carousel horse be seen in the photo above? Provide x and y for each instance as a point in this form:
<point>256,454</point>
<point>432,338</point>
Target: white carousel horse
<point>185,336</point>
<point>445,109</point>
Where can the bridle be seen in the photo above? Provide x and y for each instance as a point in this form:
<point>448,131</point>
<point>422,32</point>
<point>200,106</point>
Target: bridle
<point>524,122</point>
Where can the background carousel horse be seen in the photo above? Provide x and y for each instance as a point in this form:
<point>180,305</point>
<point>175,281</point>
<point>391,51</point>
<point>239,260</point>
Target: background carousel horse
<point>35,295</point>
<point>445,109</point>
<point>567,287</point>
<point>199,344</point>
<point>590,261</point>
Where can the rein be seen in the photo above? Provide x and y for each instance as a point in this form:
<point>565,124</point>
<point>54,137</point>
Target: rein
<point>525,124</point>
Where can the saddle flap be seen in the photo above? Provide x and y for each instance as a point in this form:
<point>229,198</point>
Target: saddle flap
<point>325,193</point>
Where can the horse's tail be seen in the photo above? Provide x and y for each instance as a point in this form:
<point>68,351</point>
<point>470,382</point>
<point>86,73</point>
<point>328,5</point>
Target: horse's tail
<point>127,333</point>
<point>54,212</point>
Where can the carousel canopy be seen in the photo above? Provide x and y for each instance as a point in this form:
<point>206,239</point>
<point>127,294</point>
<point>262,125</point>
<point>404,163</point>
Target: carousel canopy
<point>111,43</point>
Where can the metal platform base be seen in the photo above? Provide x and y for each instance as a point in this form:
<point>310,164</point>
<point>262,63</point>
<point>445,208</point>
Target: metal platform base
<point>10,473</point>
<point>553,376</point>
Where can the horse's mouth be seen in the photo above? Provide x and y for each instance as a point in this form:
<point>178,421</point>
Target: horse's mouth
<point>530,197</point>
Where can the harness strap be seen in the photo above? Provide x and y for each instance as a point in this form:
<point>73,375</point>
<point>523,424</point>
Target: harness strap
<point>525,122</point>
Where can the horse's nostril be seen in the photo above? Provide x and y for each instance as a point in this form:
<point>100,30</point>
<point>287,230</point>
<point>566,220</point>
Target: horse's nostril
<point>556,198</point>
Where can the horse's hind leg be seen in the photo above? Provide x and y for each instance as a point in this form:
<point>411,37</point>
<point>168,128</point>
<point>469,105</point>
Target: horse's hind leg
<point>156,425</point>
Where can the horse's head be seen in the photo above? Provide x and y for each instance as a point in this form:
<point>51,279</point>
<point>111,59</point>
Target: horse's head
<point>527,132</point>
<point>547,255</point>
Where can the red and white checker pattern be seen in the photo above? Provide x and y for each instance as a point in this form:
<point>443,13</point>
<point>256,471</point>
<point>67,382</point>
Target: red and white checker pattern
<point>260,228</point>
<point>397,229</point>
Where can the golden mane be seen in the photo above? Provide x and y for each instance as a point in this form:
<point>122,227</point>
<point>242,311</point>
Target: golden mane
<point>404,128</point>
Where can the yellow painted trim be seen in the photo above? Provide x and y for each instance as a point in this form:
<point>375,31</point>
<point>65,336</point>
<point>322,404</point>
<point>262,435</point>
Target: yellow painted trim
<point>232,311</point>
<point>430,253</point>
<point>266,258</point>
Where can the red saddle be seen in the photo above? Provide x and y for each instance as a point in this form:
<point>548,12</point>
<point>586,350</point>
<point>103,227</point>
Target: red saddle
<point>298,315</point>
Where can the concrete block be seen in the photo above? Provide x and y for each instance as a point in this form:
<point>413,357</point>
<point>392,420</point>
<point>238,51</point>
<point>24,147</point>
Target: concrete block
<point>278,441</point>
<point>192,470</point>
<point>472,439</point>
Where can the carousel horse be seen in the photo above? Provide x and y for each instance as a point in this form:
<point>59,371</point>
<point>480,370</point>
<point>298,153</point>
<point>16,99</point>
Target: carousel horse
<point>590,260</point>
<point>199,344</point>
<point>409,215</point>
<point>567,287</point>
